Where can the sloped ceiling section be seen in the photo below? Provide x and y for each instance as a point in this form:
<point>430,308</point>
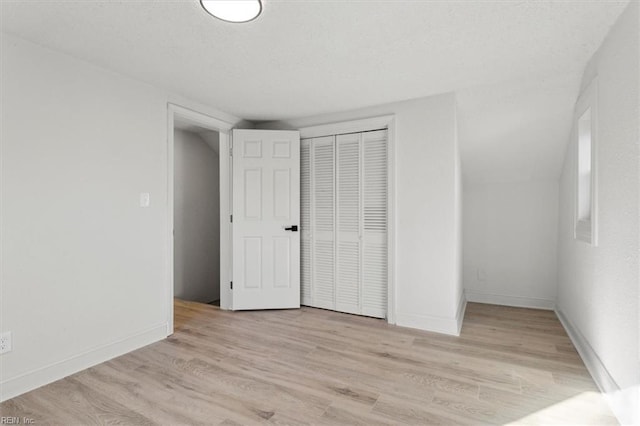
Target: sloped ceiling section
<point>513,63</point>
<point>210,137</point>
<point>515,131</point>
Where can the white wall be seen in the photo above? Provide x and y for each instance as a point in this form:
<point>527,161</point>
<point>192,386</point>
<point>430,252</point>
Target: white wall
<point>428,288</point>
<point>598,286</point>
<point>84,268</point>
<point>196,219</point>
<point>459,232</point>
<point>510,243</point>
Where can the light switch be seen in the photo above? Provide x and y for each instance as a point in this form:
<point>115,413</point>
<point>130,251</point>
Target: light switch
<point>144,199</point>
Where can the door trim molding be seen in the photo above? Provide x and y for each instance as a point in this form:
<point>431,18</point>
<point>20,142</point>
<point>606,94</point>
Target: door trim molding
<point>351,126</point>
<point>224,129</point>
<point>363,125</point>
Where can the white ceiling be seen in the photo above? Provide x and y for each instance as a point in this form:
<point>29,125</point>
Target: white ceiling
<point>513,63</point>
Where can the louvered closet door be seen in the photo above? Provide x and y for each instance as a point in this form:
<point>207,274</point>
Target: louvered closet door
<point>344,223</point>
<point>348,232</point>
<point>375,223</point>
<point>305,222</point>
<point>323,222</point>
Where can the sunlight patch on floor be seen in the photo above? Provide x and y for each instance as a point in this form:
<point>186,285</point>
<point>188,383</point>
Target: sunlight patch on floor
<point>579,408</point>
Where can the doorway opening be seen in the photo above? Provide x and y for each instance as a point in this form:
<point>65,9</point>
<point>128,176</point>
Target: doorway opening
<point>196,213</point>
<point>199,209</point>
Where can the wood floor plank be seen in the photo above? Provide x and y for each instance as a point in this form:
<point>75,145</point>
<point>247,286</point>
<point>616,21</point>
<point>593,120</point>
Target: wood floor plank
<point>316,367</point>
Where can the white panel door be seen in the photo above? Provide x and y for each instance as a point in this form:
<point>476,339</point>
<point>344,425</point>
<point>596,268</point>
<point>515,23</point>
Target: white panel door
<point>266,217</point>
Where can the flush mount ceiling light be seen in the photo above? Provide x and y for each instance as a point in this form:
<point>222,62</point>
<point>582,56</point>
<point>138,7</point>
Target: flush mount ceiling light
<point>233,10</point>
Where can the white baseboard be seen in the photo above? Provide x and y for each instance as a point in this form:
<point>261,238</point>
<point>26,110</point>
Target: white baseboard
<point>428,323</point>
<point>34,379</point>
<point>515,301</point>
<point>625,403</point>
<point>437,324</point>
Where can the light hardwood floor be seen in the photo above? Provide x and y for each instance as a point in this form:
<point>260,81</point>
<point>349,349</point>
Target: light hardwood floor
<point>311,366</point>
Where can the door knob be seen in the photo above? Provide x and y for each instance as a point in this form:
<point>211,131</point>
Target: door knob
<point>292,228</point>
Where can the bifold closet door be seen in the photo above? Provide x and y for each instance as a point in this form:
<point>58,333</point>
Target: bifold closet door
<point>375,223</point>
<point>305,223</point>
<point>344,218</point>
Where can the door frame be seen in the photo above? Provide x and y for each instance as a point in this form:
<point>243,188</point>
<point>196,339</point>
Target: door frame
<point>363,125</point>
<point>224,129</point>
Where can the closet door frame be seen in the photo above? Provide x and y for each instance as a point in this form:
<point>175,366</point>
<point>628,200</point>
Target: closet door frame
<point>363,125</point>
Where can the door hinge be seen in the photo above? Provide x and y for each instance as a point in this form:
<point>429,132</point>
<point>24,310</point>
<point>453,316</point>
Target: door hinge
<point>231,285</point>
<point>230,151</point>
<point>231,218</point>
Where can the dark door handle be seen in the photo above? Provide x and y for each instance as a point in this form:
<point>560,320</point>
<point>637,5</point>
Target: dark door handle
<point>292,228</point>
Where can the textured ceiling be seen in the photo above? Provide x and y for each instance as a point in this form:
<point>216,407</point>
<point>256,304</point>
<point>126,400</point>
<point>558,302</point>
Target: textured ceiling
<point>512,62</point>
<point>308,57</point>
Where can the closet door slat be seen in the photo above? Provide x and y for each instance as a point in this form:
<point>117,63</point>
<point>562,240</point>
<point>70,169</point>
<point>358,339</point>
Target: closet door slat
<point>348,247</point>
<point>323,224</point>
<point>305,223</point>
<point>375,223</point>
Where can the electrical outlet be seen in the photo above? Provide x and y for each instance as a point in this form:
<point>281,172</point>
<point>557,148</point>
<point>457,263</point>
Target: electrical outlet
<point>482,275</point>
<point>145,199</point>
<point>5,342</point>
